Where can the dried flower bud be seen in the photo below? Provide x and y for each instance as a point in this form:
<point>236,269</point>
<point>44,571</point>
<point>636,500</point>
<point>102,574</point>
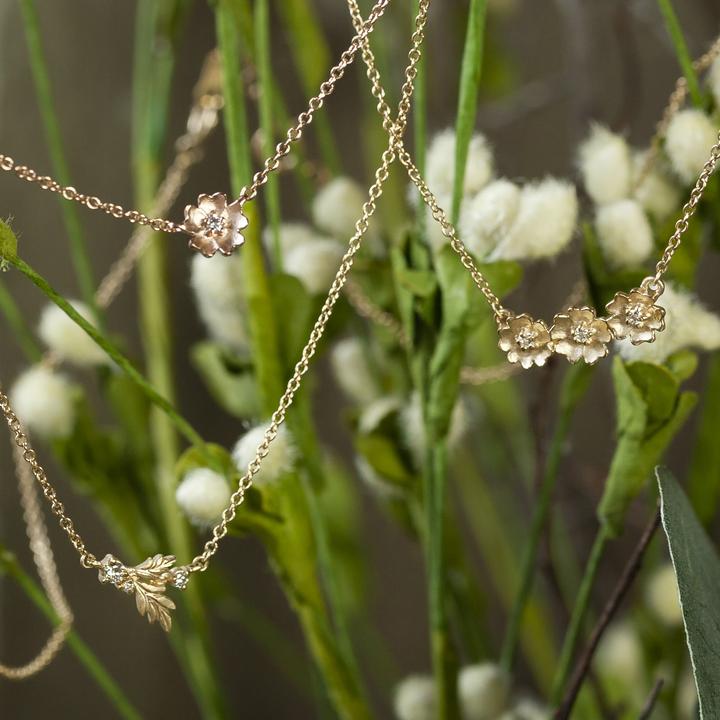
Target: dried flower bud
<point>291,235</point>
<point>606,166</point>
<point>440,165</point>
<point>44,400</point>
<point>315,264</point>
<point>278,461</point>
<point>624,234</point>
<point>67,339</point>
<point>620,654</point>
<point>415,698</point>
<point>484,691</point>
<point>662,596</point>
<point>689,137</point>
<point>338,206</point>
<point>352,371</point>
<point>658,191</point>
<point>202,496</point>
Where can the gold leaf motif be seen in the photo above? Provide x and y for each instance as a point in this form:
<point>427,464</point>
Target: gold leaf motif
<point>149,581</point>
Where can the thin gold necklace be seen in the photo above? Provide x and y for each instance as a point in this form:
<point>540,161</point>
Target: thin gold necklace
<point>149,580</point>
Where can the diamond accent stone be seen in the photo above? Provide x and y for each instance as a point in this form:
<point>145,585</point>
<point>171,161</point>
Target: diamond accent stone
<point>180,578</point>
<point>215,224</point>
<point>526,338</point>
<point>112,571</point>
<point>636,315</point>
<point>582,333</point>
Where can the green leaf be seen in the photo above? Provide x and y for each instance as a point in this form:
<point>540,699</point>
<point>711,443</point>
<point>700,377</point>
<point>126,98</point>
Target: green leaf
<point>214,457</point>
<point>470,74</point>
<point>8,242</point>
<point>293,327</point>
<point>651,411</point>
<point>382,455</point>
<point>697,568</point>
<point>422,283</point>
<point>682,364</point>
<point>232,386</point>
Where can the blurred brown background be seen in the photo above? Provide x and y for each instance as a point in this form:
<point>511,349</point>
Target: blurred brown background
<point>574,60</point>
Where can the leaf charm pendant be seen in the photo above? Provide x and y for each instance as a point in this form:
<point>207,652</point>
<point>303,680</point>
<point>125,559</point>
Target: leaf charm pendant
<point>148,581</point>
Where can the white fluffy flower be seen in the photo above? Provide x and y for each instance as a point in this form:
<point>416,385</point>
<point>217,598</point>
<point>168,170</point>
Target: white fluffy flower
<point>606,166</point>
<point>415,698</point>
<point>338,206</point>
<point>714,80</point>
<point>413,427</point>
<point>624,234</point>
<point>352,371</point>
<point>620,654</point>
<point>291,235</point>
<point>279,459</point>
<point>487,217</point>
<point>544,224</point>
<point>440,164</point>
<point>658,192</point>
<point>67,339</point>
<point>690,136</point>
<point>202,496</point>
<point>526,709</point>
<point>483,690</point>
<point>377,411</point>
<point>662,596</point>
<point>44,400</point>
<point>688,324</point>
<point>315,263</point>
<point>216,283</point>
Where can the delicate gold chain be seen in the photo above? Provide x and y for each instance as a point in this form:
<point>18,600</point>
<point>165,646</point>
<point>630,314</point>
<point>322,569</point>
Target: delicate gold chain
<point>159,224</point>
<point>396,130</point>
<point>87,559</point>
<point>47,571</point>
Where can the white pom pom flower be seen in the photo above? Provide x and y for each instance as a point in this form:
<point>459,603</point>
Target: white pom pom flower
<point>620,655</point>
<point>202,495</point>
<point>624,234</point>
<point>416,699</point>
<point>315,263</point>
<point>216,283</point>
<point>544,224</point>
<point>484,691</point>
<point>689,137</point>
<point>488,216</point>
<point>657,191</point>
<point>291,235</point>
<point>351,368</point>
<point>688,324</point>
<point>338,206</point>
<point>440,165</point>
<point>606,165</point>
<point>68,340</point>
<point>278,461</point>
<point>412,426</point>
<point>662,596</point>
<point>44,401</point>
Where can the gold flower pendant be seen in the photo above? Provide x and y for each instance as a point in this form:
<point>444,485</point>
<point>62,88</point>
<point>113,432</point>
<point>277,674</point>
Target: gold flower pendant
<point>579,334</point>
<point>214,226</point>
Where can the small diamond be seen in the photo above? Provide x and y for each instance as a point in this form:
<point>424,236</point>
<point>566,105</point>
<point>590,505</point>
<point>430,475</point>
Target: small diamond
<point>526,338</point>
<point>180,578</point>
<point>636,315</point>
<point>112,571</point>
<point>582,333</point>
<point>215,224</point>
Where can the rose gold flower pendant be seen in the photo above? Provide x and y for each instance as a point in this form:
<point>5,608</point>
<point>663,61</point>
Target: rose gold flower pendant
<point>214,225</point>
<point>579,334</point>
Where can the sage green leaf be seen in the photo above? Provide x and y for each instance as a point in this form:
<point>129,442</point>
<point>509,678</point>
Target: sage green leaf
<point>232,386</point>
<point>293,326</point>
<point>214,457</point>
<point>651,411</point>
<point>697,569</point>
<point>422,283</point>
<point>383,456</point>
<point>682,364</point>
<point>8,242</point>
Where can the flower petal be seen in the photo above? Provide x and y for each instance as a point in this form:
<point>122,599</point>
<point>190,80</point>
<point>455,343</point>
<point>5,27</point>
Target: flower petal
<point>194,218</point>
<point>592,353</point>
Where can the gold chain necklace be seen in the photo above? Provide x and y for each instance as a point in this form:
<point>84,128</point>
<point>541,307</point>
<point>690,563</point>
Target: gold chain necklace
<point>149,580</point>
<point>213,224</point>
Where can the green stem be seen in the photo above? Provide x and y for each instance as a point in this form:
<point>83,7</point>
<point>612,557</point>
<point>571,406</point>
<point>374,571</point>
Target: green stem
<point>53,137</point>
<point>261,320</point>
<point>681,50</point>
<point>111,351</point>
<point>16,320</point>
<point>578,614</point>
<point>574,387</point>
<point>84,654</point>
<point>265,85</point>
<point>443,654</point>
